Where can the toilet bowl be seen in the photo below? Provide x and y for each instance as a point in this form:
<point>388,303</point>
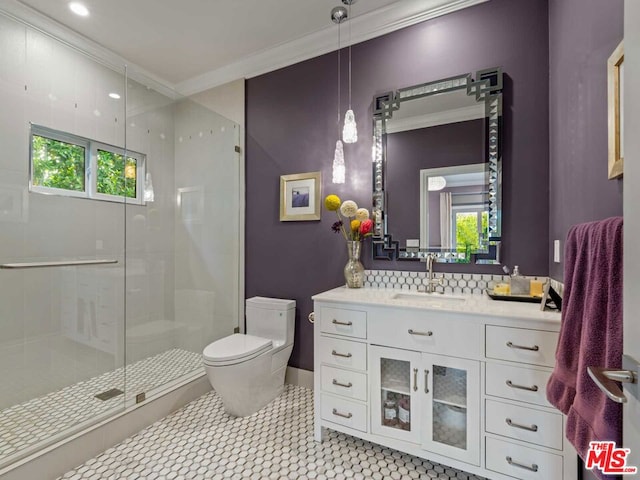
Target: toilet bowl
<point>247,370</point>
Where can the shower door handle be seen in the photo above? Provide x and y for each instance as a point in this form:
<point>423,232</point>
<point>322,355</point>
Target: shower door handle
<point>67,263</point>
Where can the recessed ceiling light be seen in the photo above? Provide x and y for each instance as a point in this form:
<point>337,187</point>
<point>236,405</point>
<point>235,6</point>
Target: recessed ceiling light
<point>79,9</point>
<point>114,95</point>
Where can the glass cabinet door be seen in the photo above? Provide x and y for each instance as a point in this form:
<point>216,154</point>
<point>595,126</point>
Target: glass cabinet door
<point>395,406</point>
<point>451,417</point>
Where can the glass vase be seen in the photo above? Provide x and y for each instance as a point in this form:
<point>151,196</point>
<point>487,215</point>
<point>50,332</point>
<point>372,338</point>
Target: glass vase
<point>354,270</point>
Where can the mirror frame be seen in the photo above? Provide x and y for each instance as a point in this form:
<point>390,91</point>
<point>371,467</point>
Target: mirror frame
<point>487,88</point>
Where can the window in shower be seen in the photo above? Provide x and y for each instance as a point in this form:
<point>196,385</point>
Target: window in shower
<point>64,164</point>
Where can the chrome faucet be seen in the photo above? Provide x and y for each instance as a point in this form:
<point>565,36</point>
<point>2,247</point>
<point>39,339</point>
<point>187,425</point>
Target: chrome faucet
<point>432,283</point>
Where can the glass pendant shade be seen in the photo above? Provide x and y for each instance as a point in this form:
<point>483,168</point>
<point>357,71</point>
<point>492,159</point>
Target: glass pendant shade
<point>436,183</point>
<point>338,164</point>
<point>350,130</point>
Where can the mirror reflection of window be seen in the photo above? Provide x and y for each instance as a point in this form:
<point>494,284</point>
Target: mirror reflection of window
<point>455,209</point>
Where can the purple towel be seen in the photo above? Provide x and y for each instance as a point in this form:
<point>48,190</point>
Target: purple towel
<point>590,333</point>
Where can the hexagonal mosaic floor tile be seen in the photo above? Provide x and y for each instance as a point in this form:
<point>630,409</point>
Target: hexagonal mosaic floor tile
<point>201,441</point>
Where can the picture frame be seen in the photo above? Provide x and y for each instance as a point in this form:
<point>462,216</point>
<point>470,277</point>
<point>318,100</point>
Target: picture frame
<point>615,92</point>
<point>300,197</point>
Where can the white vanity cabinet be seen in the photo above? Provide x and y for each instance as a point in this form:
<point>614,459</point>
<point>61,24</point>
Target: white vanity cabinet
<point>459,386</point>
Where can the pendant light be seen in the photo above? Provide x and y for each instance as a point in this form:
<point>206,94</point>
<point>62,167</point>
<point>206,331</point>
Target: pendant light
<point>338,15</point>
<point>350,130</point>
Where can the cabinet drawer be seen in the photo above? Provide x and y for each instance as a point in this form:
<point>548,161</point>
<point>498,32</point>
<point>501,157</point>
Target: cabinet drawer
<point>344,382</point>
<point>526,424</point>
<point>522,462</point>
<point>343,353</point>
<point>536,347</point>
<point>523,384</point>
<point>344,412</point>
<point>426,331</point>
<point>340,321</point>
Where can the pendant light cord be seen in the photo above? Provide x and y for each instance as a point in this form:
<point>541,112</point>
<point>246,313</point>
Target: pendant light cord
<point>349,19</point>
<point>338,79</point>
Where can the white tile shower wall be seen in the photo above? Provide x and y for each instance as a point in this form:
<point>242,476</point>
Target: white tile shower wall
<point>207,176</point>
<point>60,326</point>
<point>453,283</point>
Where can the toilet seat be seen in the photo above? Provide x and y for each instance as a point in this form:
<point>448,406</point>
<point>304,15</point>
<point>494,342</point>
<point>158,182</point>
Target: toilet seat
<point>234,349</point>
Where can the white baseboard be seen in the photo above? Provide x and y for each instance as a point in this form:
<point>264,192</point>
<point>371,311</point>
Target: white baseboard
<point>58,459</point>
<point>300,377</point>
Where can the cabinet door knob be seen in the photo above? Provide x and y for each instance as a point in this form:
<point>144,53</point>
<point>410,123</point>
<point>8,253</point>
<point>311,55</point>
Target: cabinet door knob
<point>535,348</point>
<point>345,385</point>
<point>337,322</point>
<point>533,388</point>
<point>533,467</point>
<point>344,355</point>
<point>426,381</point>
<point>415,379</point>
<point>343,415</point>
<point>531,428</point>
<point>424,334</point>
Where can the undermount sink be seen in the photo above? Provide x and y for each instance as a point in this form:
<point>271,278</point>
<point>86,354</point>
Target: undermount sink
<point>431,299</point>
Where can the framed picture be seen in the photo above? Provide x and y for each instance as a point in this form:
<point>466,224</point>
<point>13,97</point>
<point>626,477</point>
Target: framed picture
<point>615,90</point>
<point>300,197</point>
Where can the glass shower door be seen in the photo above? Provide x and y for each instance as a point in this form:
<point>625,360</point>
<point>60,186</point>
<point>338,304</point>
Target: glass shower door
<point>182,241</point>
<point>61,249</point>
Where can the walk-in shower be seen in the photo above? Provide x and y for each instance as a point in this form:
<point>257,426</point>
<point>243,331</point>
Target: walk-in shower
<point>119,228</point>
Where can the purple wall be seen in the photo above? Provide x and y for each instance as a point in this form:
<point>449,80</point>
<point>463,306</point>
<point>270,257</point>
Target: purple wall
<point>582,35</point>
<point>409,152</point>
<point>291,128</point>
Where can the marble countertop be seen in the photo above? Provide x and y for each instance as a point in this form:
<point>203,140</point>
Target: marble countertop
<point>463,303</point>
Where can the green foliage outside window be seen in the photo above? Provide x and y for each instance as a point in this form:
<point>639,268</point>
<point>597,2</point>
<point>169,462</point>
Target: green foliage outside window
<point>114,178</point>
<point>57,164</point>
<point>468,236</point>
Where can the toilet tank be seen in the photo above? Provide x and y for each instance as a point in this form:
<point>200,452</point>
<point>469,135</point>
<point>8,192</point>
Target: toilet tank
<point>272,318</point>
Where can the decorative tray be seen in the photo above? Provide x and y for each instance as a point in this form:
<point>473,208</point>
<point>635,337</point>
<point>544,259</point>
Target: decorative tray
<point>514,298</point>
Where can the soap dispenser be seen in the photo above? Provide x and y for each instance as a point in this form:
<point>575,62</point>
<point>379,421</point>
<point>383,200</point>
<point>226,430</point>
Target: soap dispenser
<point>520,285</point>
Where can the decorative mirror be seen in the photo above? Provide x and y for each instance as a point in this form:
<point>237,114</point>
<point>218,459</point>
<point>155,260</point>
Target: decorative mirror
<point>437,170</point>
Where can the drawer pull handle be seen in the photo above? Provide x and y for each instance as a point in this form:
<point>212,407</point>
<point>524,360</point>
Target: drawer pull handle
<point>534,388</point>
<point>426,381</point>
<point>337,322</point>
<point>344,355</point>
<point>535,348</point>
<point>345,385</point>
<point>424,334</point>
<point>343,415</point>
<point>532,468</point>
<point>532,428</point>
<point>415,379</point>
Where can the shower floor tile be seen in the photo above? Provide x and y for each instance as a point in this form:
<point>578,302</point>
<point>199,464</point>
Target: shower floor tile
<point>201,441</point>
<point>40,419</point>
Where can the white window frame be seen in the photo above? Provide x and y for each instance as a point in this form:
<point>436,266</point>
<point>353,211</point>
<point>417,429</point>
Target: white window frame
<point>91,148</point>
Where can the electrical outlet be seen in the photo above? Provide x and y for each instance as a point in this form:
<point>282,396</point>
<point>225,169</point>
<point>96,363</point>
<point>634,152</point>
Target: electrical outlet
<point>556,251</point>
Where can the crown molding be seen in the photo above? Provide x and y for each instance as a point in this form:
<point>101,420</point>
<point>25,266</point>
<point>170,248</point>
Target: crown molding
<point>32,18</point>
<point>393,17</point>
<point>364,27</point>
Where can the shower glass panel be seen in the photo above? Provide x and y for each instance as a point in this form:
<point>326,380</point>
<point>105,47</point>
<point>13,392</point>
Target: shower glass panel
<point>61,324</point>
<point>120,237</point>
<point>182,243</point>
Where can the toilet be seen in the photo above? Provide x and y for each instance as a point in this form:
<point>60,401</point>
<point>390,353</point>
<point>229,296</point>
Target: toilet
<point>247,370</point>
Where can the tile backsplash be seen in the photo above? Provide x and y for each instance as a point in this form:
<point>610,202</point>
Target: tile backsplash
<point>453,283</point>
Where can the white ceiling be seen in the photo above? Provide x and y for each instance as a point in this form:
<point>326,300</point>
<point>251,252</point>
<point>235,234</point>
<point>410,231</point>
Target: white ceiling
<point>195,44</point>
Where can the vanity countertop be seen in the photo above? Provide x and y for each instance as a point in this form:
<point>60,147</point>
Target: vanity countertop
<point>472,304</point>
